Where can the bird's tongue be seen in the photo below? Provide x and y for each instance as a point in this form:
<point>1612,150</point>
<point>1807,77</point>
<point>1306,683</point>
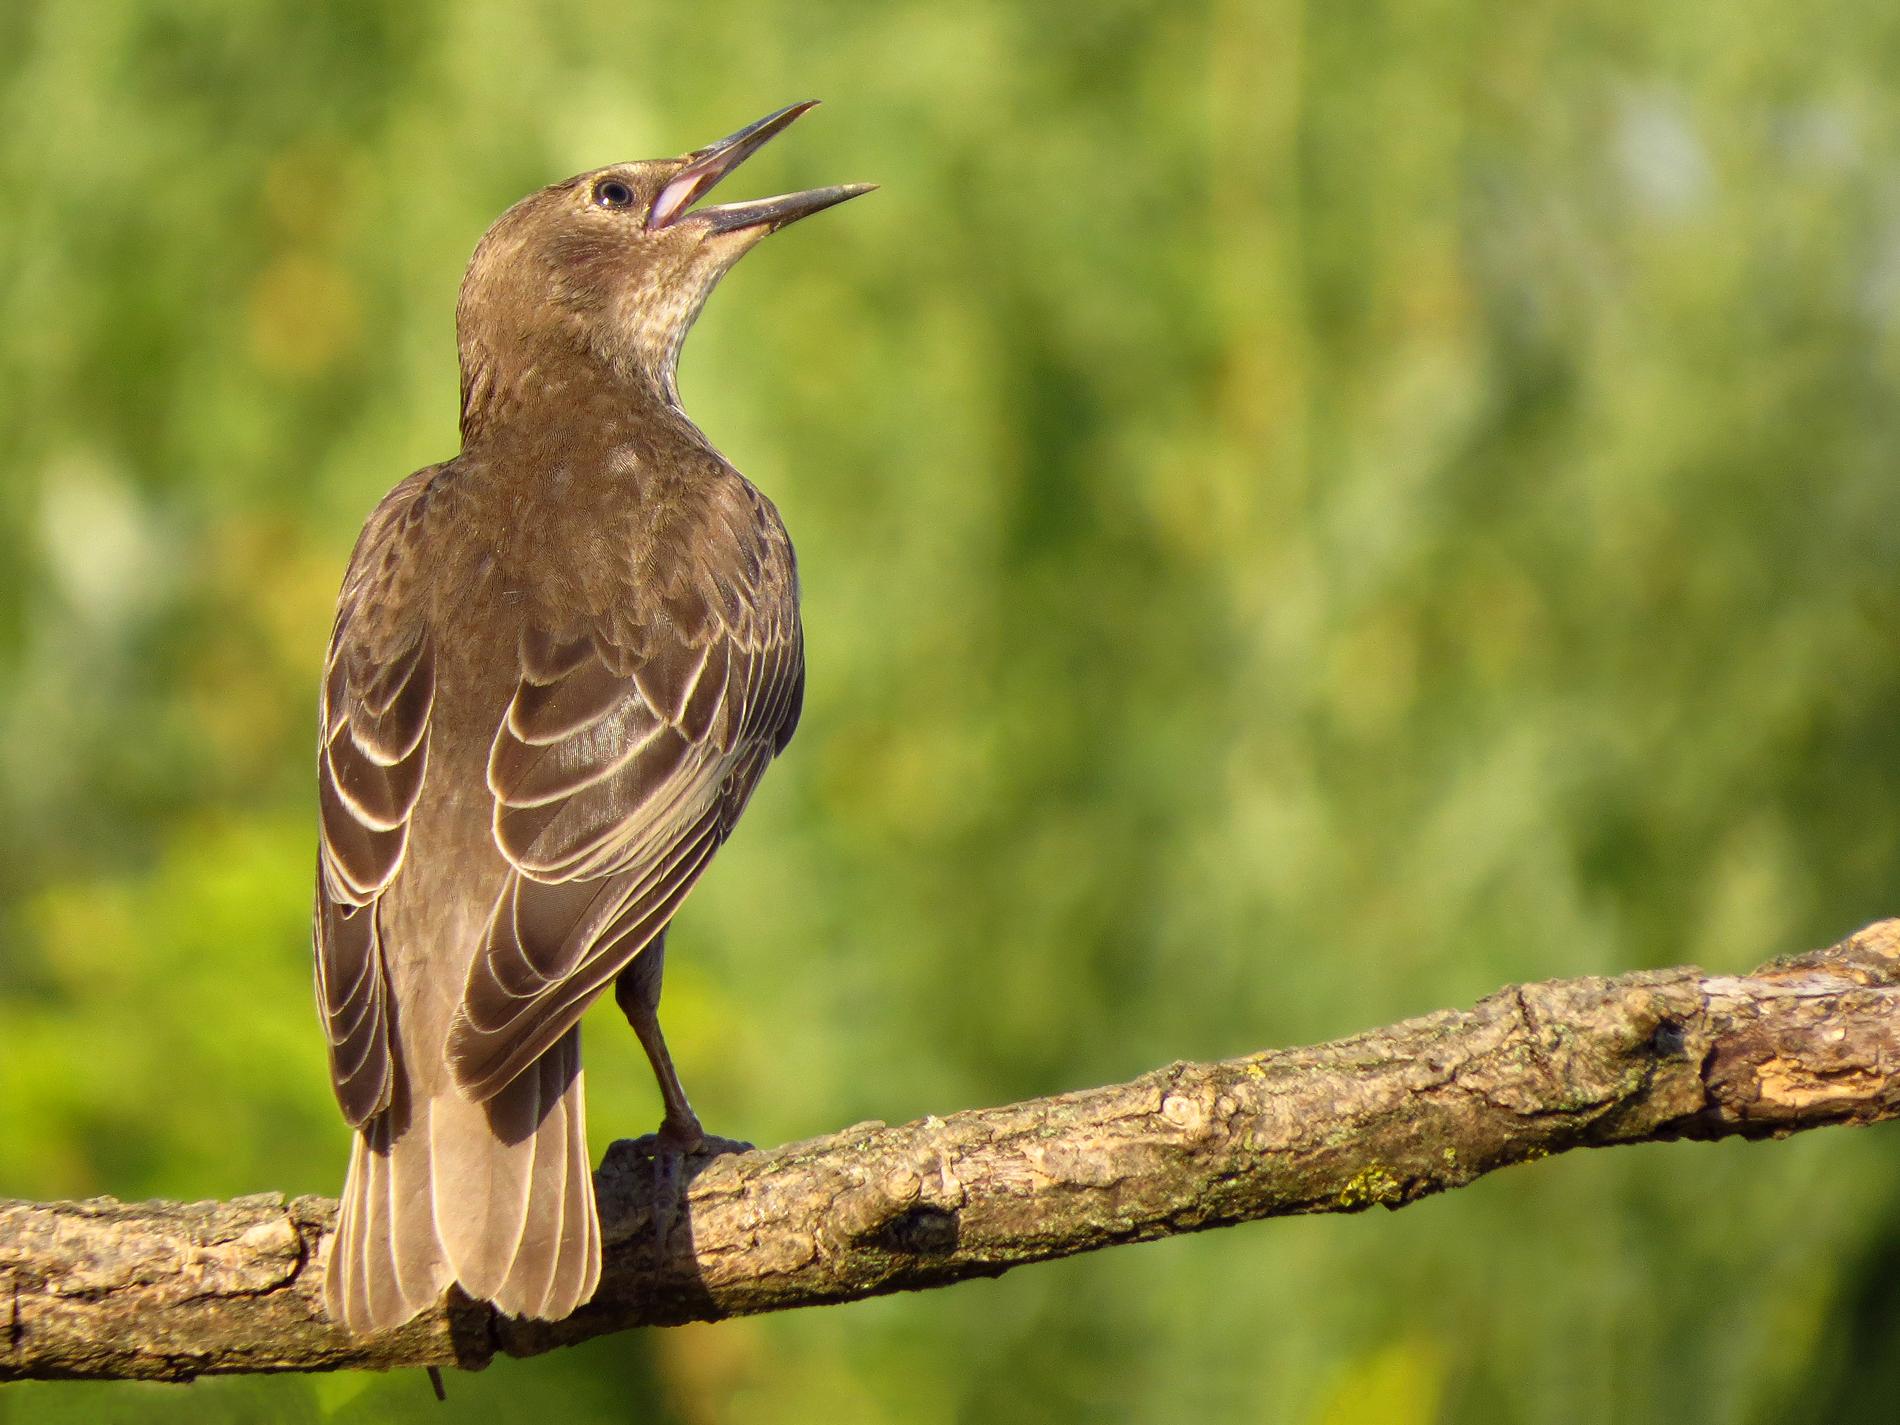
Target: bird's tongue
<point>677,196</point>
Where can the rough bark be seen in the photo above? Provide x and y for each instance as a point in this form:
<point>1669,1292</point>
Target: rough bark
<point>168,1291</point>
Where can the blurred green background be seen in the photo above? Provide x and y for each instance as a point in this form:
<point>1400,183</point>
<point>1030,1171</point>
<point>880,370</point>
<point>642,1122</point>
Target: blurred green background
<point>1308,513</point>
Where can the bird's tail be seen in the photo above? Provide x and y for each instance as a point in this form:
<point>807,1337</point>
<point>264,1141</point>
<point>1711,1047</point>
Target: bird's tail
<point>497,1196</point>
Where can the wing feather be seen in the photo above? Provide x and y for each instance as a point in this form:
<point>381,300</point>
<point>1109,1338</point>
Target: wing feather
<point>699,717</point>
<point>542,713</point>
<point>618,769</point>
<point>525,775</point>
<point>373,754</point>
<point>487,1060</point>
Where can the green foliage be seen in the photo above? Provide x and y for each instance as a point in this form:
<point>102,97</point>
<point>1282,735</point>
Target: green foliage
<point>1308,513</point>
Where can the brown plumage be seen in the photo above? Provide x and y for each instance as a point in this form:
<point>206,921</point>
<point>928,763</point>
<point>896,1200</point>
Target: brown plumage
<point>560,664</point>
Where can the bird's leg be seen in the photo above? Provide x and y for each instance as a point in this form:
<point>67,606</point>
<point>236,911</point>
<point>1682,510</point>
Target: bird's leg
<point>637,992</point>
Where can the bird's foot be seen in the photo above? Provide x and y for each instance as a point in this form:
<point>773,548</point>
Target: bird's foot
<point>677,1141</point>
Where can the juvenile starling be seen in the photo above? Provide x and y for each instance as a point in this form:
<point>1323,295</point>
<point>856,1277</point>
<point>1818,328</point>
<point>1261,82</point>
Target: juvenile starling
<point>560,664</point>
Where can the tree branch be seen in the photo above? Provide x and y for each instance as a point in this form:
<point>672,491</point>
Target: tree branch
<point>168,1291</point>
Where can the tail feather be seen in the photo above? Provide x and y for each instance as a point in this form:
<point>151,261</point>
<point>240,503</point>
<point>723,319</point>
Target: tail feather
<point>484,1176</point>
<point>497,1196</point>
<point>384,1265</point>
<point>529,1288</point>
<point>578,1275</point>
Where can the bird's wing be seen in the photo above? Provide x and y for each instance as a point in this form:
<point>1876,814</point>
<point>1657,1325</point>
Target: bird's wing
<point>378,692</point>
<point>624,759</point>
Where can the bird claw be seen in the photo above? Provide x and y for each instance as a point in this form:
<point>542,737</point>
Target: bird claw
<point>669,1149</point>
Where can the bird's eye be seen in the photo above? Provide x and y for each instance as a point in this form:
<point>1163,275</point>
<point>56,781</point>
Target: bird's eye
<point>612,193</point>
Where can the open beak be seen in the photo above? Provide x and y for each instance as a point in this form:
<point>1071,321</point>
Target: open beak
<point>704,168</point>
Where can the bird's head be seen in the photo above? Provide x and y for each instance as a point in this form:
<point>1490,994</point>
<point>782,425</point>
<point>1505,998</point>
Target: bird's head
<point>612,267</point>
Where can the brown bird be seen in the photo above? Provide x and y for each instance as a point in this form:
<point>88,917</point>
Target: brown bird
<point>560,664</point>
